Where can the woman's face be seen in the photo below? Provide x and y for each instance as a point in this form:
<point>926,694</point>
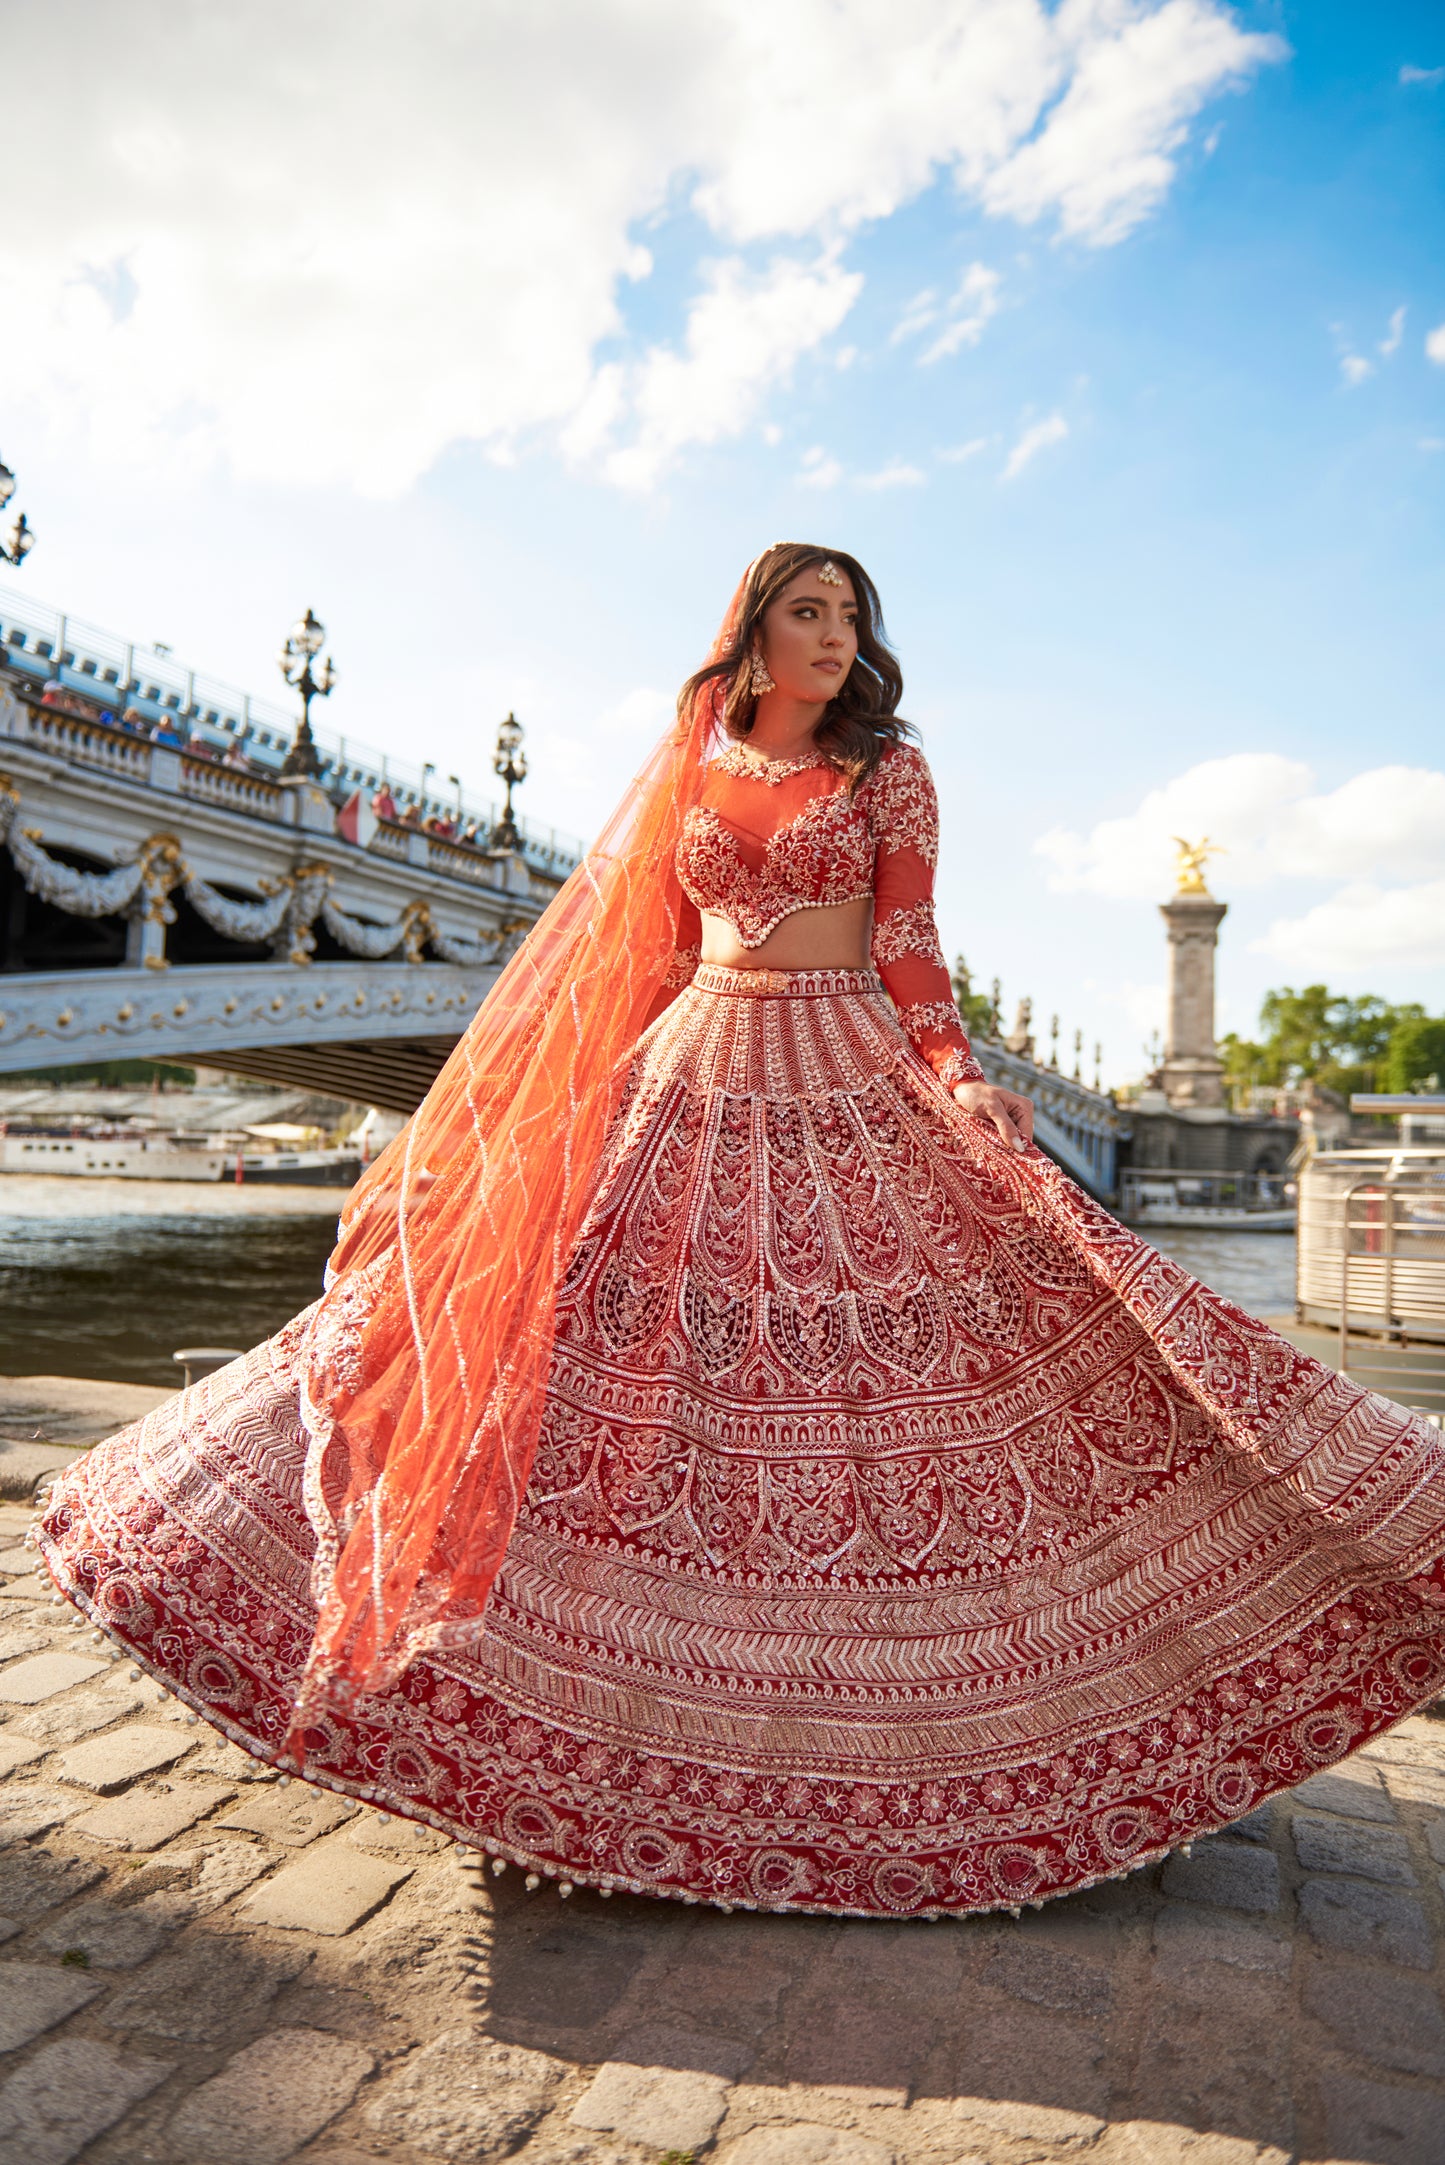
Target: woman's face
<point>809,636</point>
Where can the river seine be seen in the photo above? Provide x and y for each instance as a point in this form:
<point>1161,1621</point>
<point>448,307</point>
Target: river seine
<point>113,1291</point>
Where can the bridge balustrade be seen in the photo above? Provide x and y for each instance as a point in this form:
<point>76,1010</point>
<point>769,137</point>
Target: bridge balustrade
<point>1081,1129</point>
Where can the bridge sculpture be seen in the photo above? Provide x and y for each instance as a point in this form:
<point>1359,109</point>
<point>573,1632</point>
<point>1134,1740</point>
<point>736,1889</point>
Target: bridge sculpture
<point>158,901</point>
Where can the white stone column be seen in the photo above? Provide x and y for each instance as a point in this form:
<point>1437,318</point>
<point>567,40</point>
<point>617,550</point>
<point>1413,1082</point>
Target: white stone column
<point>1193,1072</point>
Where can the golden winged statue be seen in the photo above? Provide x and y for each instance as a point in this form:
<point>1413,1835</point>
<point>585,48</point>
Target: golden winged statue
<point>1190,862</point>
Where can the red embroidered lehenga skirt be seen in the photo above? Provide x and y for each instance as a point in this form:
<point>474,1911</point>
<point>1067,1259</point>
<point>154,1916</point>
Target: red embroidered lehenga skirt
<point>905,1535</point>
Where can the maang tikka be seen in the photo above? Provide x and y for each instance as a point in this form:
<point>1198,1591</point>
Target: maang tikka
<point>829,574</point>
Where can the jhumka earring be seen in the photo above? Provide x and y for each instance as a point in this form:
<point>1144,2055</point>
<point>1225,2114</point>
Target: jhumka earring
<point>829,574</point>
<point>761,681</point>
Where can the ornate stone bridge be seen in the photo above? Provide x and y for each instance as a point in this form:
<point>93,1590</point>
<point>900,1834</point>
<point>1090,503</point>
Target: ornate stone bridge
<point>157,903</point>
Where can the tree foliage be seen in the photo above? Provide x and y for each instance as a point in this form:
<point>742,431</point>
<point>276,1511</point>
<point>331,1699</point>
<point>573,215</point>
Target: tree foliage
<point>1417,1054</point>
<point>976,1008</point>
<point>1344,1044</point>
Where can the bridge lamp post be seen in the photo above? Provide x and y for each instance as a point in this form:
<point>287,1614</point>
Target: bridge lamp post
<point>304,642</point>
<point>510,765</point>
<point>21,539</point>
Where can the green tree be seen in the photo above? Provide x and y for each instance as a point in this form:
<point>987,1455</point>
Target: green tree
<point>1244,1064</point>
<point>1415,1054</point>
<point>1315,1035</point>
<point>111,1073</point>
<point>976,1008</point>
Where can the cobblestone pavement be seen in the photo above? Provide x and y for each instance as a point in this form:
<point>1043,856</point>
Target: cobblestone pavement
<point>204,1964</point>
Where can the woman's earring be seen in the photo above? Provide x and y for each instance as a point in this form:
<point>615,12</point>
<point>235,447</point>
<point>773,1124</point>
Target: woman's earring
<point>762,682</point>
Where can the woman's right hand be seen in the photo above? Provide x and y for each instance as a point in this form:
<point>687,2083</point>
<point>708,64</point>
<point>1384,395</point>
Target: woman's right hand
<point>1011,1114</point>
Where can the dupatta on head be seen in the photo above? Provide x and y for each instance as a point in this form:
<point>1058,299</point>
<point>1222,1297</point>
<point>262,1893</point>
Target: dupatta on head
<point>426,1361</point>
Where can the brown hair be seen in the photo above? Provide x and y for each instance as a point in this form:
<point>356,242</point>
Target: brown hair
<point>861,723</point>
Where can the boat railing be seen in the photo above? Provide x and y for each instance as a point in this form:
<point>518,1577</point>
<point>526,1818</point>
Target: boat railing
<point>1371,1267</point>
<point>1392,1230</point>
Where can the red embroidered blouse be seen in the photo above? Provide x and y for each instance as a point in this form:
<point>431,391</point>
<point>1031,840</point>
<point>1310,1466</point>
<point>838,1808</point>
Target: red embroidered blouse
<point>774,836</point>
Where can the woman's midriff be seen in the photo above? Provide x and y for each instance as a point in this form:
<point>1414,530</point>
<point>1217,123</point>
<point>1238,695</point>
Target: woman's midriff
<point>834,937</point>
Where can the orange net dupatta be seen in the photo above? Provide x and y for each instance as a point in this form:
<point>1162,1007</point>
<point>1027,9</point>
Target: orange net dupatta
<point>427,1358</point>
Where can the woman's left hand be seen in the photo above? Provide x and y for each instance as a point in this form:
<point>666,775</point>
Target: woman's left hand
<point>1012,1115</point>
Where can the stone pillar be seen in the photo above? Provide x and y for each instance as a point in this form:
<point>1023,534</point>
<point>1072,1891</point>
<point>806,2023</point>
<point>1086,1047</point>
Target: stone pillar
<point>1193,1073</point>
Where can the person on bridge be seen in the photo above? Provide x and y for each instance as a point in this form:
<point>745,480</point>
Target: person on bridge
<point>729,1461</point>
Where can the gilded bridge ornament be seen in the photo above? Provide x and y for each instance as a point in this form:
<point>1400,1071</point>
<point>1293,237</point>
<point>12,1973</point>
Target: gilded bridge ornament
<point>1190,861</point>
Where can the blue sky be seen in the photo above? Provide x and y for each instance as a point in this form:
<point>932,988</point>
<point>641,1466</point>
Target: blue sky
<point>1082,326</point>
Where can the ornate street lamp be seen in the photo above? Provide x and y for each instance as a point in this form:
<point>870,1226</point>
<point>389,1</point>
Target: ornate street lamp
<point>303,644</point>
<point>510,765</point>
<point>21,538</point>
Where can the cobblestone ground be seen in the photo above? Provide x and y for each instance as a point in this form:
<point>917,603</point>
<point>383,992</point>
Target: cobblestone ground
<point>203,1964</point>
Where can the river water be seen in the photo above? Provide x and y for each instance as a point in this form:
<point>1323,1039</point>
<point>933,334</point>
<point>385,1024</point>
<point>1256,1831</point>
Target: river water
<point>109,1284</point>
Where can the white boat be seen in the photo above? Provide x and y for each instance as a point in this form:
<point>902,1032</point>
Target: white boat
<point>112,1155</point>
<point>1206,1202</point>
<point>109,1157</point>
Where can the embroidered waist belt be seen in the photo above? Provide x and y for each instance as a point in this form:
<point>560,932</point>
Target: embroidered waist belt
<point>727,983</point>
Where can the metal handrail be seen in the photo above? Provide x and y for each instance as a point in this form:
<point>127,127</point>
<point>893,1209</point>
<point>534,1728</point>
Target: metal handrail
<point>113,672</point>
<point>1431,1378</point>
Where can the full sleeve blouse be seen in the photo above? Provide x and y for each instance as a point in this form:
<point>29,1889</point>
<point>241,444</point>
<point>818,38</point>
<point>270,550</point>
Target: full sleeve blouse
<point>900,804</point>
<point>771,837</point>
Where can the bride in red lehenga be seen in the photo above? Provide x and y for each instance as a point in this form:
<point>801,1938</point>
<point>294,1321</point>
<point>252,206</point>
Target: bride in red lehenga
<point>728,1461</point>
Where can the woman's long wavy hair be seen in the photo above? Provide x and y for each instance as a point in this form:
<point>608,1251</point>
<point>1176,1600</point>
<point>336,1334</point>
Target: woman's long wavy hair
<point>860,724</point>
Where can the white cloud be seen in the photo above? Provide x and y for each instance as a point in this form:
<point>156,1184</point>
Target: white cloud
<point>1431,443</point>
<point>1409,74</point>
<point>745,332</point>
<point>897,474</point>
<point>320,246</point>
<point>1381,833</point>
<point>820,470</point>
<point>1105,155</point>
<point>1364,926</point>
<point>1035,439</point>
<point>1388,821</point>
<point>920,312</point>
<point>1435,344</point>
<point>958,321</point>
<point>956,454</point>
<point>1356,368</point>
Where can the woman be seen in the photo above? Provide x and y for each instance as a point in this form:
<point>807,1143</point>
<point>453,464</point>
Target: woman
<point>729,1461</point>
